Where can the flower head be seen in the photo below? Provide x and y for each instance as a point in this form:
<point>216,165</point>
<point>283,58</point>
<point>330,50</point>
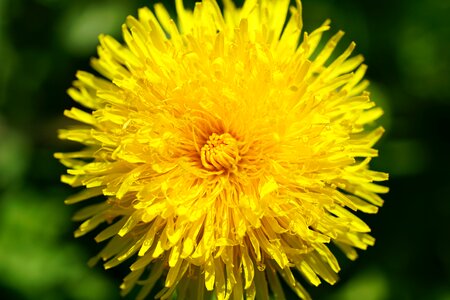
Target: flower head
<point>225,156</point>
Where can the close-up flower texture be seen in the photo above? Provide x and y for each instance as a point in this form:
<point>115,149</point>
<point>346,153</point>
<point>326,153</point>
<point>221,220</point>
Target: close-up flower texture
<point>224,151</point>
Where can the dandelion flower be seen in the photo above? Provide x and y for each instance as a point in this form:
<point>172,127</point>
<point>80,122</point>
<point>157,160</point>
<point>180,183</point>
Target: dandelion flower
<point>223,153</point>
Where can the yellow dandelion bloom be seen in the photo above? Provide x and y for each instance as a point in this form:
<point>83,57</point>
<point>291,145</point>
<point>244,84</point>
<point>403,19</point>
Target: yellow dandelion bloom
<point>226,157</point>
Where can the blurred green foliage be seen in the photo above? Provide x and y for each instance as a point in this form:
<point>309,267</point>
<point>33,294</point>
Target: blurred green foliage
<point>406,45</point>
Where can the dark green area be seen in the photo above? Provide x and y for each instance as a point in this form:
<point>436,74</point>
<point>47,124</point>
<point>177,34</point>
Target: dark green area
<point>406,45</point>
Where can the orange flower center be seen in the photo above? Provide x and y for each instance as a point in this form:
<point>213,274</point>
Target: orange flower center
<point>220,152</point>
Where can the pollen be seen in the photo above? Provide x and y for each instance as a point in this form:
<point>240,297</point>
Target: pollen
<point>220,152</point>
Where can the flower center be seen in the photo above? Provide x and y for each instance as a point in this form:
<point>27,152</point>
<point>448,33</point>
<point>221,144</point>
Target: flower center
<point>220,152</point>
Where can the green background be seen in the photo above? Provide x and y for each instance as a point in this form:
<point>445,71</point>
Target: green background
<point>406,45</point>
